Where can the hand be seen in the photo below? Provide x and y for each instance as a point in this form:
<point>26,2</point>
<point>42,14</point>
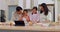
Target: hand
<point>30,23</point>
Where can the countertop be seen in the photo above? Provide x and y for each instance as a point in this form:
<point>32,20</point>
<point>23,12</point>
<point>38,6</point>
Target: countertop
<point>33,28</point>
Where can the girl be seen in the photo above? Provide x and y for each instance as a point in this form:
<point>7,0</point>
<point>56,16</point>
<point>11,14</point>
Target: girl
<point>34,16</point>
<point>25,16</point>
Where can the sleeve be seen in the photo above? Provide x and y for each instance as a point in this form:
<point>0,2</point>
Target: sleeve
<point>49,16</point>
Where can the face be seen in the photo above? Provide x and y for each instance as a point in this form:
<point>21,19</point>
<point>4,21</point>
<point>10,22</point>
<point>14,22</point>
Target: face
<point>41,8</point>
<point>19,12</point>
<point>24,12</point>
<point>34,11</point>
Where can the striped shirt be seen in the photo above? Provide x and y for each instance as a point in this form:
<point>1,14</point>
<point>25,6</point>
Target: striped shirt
<point>34,17</point>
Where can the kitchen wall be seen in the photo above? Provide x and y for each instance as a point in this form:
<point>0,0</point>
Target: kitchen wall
<point>12,2</point>
<point>46,1</point>
<point>59,10</point>
<point>4,6</point>
<point>6,3</point>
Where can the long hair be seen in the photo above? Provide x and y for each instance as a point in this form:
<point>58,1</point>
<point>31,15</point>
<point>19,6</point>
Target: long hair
<point>45,9</point>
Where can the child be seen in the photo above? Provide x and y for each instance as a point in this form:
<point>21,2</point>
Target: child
<point>34,16</point>
<point>25,16</point>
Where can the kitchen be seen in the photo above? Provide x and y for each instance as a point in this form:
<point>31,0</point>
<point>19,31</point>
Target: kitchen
<point>9,7</point>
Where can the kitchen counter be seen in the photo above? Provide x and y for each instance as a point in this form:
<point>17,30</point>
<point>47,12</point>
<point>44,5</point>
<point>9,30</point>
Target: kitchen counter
<point>30,28</point>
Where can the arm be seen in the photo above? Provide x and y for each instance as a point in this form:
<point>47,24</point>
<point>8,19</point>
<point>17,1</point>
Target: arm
<point>28,18</point>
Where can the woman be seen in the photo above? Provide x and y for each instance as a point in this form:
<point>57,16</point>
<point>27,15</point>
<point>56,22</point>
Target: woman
<point>17,17</point>
<point>45,14</point>
<point>17,14</point>
<point>25,17</point>
<point>34,16</point>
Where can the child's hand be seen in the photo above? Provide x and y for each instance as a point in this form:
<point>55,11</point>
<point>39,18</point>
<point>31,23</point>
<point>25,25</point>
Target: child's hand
<point>30,23</point>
